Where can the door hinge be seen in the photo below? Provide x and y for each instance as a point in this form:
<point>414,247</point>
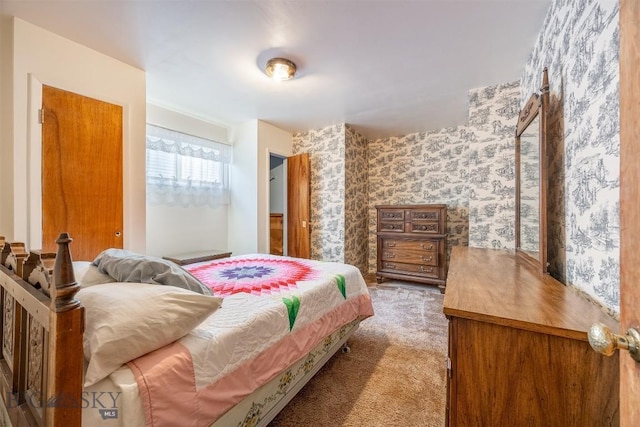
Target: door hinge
<point>449,367</point>
<point>41,115</point>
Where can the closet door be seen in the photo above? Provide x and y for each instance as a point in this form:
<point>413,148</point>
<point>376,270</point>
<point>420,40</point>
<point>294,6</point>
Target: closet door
<point>298,206</point>
<point>81,172</point>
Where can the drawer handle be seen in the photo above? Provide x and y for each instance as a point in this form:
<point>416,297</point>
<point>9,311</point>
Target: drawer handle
<point>428,259</point>
<point>426,270</point>
<point>427,248</point>
<point>389,255</point>
<point>391,266</point>
<point>391,244</point>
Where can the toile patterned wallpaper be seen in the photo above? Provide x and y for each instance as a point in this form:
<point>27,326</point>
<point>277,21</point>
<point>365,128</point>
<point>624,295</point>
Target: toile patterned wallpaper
<point>493,114</point>
<point>356,250</point>
<point>472,168</point>
<point>469,168</point>
<point>579,44</point>
<point>326,148</point>
<point>338,157</point>
<point>425,167</point>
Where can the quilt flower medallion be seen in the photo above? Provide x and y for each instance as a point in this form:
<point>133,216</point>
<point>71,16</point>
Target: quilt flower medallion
<point>256,276</point>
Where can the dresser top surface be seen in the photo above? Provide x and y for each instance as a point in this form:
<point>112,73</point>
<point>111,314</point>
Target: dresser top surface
<point>498,287</point>
<point>418,206</point>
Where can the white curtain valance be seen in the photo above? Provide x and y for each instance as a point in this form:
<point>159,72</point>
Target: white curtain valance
<point>185,170</point>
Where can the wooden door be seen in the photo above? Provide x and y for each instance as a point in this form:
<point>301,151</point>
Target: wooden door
<point>629,204</point>
<point>298,206</point>
<point>81,172</point>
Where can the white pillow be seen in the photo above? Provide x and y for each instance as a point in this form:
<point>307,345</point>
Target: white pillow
<point>80,269</point>
<point>124,321</point>
<point>94,276</point>
<point>88,274</point>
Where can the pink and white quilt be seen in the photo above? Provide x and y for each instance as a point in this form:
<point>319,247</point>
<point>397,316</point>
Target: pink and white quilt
<point>275,310</point>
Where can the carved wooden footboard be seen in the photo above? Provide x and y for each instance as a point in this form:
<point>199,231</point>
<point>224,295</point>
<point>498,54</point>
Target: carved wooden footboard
<point>41,361</point>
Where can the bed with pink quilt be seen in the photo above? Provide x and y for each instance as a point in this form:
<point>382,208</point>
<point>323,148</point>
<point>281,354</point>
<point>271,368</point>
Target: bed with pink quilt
<point>240,351</point>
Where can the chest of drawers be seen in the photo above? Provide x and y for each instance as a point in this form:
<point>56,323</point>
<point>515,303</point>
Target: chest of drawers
<point>412,243</point>
<point>518,348</point>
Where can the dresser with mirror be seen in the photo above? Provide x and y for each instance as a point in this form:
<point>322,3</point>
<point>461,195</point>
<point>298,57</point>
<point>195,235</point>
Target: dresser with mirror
<point>518,347</point>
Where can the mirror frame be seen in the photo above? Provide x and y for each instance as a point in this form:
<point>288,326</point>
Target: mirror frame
<point>537,105</point>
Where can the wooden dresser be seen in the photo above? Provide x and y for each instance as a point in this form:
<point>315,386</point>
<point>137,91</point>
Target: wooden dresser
<point>275,234</point>
<point>518,348</point>
<point>412,243</point>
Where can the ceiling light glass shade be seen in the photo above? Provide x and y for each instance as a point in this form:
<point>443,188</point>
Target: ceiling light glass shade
<point>280,69</point>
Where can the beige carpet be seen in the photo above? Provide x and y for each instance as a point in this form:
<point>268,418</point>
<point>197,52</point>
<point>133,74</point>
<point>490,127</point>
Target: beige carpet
<point>394,374</point>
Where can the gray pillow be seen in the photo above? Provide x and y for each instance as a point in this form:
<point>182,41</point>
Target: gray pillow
<point>125,266</point>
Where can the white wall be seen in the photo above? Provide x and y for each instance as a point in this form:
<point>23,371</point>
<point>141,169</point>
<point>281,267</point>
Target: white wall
<point>182,122</point>
<point>175,229</point>
<point>243,210</point>
<point>61,63</point>
<point>271,140</point>
<point>253,141</point>
<point>6,127</point>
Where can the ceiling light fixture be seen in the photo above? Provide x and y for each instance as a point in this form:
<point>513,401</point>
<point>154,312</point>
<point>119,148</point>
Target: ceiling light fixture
<point>280,69</point>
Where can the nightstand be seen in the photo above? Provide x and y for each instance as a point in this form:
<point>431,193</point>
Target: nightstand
<point>200,256</point>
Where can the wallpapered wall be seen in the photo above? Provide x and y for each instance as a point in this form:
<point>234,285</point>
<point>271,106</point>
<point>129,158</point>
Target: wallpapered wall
<point>579,44</point>
<point>472,168</point>
<point>326,148</point>
<point>425,167</point>
<point>493,114</point>
<point>338,157</point>
<point>356,197</point>
<point>469,168</point>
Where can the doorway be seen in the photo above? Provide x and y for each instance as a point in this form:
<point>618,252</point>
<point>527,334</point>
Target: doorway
<point>277,204</point>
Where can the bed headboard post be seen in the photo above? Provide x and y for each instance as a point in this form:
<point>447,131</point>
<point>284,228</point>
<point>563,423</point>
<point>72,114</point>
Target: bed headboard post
<point>6,250</point>
<point>65,286</point>
<point>65,365</point>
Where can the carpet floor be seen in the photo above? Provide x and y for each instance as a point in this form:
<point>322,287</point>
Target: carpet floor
<point>394,374</point>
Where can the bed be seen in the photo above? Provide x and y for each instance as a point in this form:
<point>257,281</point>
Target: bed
<point>233,353</point>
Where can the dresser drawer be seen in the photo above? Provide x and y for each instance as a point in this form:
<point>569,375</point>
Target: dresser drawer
<point>391,220</point>
<point>425,215</point>
<point>410,256</point>
<point>393,227</point>
<point>424,228</point>
<point>391,215</point>
<point>422,270</point>
<point>416,245</point>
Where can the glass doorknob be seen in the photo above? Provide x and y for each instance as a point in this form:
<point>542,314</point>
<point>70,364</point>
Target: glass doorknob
<point>606,342</point>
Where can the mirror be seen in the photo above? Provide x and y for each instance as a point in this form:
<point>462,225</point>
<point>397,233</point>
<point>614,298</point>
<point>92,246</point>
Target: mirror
<point>531,179</point>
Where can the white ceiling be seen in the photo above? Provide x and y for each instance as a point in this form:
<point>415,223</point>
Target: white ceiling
<point>387,67</point>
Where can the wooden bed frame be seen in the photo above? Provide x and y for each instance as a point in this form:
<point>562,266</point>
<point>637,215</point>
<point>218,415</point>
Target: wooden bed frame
<point>42,326</point>
<point>41,361</point>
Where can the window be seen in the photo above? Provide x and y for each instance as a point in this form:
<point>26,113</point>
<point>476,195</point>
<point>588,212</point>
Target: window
<point>184,170</point>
